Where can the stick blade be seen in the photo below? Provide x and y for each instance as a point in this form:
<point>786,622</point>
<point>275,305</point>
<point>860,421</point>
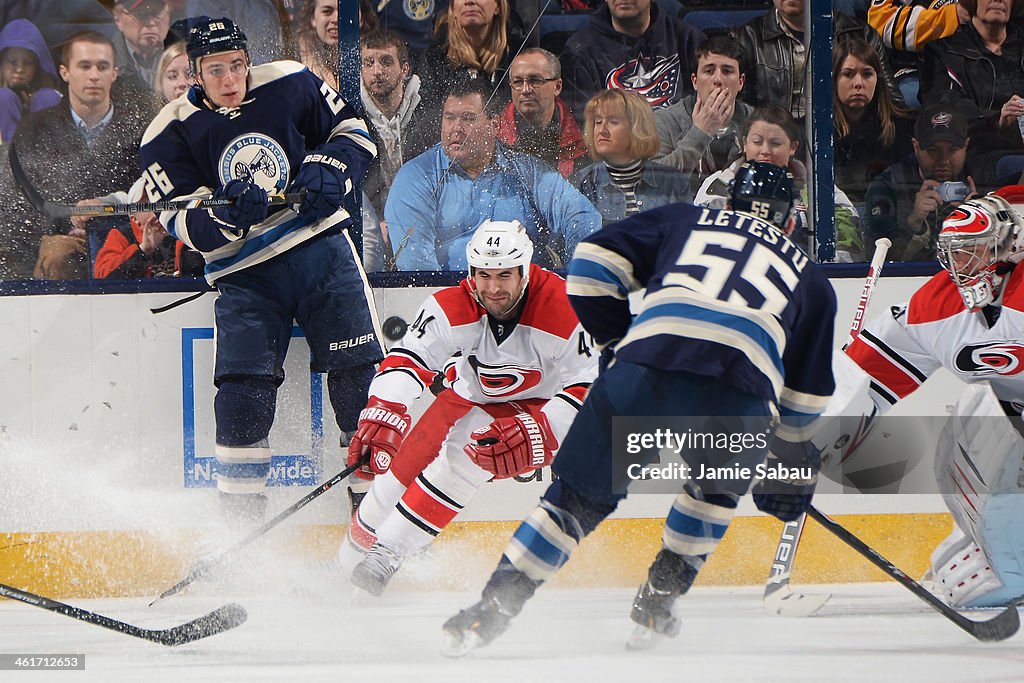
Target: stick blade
<point>789,603</point>
<point>999,627</point>
<point>219,620</point>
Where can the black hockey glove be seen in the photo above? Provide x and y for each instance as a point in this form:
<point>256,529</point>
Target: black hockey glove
<point>249,208</point>
<point>786,491</point>
<point>326,181</point>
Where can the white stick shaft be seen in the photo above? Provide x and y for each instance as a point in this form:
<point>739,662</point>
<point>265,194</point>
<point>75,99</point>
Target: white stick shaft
<point>874,270</point>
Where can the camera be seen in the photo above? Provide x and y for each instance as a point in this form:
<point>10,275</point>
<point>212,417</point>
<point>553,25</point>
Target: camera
<point>952,191</point>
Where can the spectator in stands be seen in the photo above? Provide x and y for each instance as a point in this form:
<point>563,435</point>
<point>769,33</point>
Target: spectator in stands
<point>87,146</point>
<point>173,76</point>
<point>621,137</point>
<point>775,50</point>
<point>415,20</point>
<point>317,38</point>
<point>260,20</point>
<point>699,135</point>
<point>368,20</point>
<point>537,121</point>
<point>905,203</point>
<point>771,134</point>
<point>139,250</point>
<point>870,130</point>
<point>982,67</point>
<point>472,41</point>
<point>630,44</point>
<point>441,196</point>
<point>391,100</point>
<point>906,26</point>
<point>142,26</point>
<point>27,75</point>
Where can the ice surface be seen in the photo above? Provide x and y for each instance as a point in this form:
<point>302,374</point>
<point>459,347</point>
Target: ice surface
<point>868,632</point>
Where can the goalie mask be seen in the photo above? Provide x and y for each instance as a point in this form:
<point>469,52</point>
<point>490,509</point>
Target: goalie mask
<point>976,243</point>
<point>497,245</point>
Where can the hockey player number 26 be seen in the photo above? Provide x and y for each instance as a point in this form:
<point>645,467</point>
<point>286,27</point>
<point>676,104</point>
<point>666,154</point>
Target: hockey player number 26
<point>156,181</point>
<point>725,267</point>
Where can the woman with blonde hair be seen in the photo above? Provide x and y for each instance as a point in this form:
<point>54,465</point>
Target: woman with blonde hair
<point>471,40</point>
<point>172,77</point>
<point>620,134</point>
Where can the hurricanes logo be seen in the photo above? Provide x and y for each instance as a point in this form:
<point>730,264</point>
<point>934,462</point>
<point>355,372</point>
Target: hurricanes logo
<point>499,381</point>
<point>256,159</point>
<point>657,84</point>
<point>418,10</point>
<point>996,358</point>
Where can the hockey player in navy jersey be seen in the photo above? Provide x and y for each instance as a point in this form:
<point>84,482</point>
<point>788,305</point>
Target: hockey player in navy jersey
<point>245,131</point>
<point>516,366</point>
<point>734,328</point>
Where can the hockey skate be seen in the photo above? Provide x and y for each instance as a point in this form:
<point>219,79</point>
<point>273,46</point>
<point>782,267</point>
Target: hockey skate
<point>474,627</point>
<point>376,570</point>
<point>652,612</point>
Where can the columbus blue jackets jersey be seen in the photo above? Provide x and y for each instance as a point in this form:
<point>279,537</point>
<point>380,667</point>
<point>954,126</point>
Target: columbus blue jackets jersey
<point>192,148</point>
<point>728,296</point>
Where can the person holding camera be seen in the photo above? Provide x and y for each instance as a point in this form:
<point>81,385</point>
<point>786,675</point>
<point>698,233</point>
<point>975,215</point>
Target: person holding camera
<point>906,202</point>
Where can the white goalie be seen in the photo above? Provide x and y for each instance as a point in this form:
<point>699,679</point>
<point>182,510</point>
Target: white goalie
<point>969,319</point>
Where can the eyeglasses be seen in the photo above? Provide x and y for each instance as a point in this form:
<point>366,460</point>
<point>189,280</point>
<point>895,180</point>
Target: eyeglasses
<point>534,82</point>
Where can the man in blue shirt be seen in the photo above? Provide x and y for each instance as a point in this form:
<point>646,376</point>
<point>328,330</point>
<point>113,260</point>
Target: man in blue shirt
<point>439,197</point>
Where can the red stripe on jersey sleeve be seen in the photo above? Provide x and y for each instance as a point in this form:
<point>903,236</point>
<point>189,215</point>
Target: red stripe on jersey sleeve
<point>882,370</point>
<point>577,391</point>
<point>938,299</point>
<point>394,361</point>
<point>547,308</point>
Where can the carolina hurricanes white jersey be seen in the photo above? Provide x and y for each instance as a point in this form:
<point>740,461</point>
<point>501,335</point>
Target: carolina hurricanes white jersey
<point>902,348</point>
<point>547,355</point>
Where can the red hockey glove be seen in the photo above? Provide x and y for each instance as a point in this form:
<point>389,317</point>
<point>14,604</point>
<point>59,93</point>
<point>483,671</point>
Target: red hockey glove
<point>513,445</point>
<point>382,426</point>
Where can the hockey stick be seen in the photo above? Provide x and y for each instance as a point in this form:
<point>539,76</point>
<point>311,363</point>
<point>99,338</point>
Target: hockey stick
<point>778,596</point>
<point>999,627</point>
<point>219,620</point>
<point>200,568</point>
<point>53,211</point>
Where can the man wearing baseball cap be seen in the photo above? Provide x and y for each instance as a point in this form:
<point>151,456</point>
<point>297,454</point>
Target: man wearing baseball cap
<point>906,201</point>
<point>142,27</point>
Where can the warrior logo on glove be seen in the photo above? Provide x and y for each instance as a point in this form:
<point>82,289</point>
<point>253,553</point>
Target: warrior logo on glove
<point>382,427</point>
<point>510,446</point>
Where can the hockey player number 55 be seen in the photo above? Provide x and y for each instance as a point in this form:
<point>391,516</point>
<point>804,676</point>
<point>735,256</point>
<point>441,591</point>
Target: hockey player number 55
<point>729,268</point>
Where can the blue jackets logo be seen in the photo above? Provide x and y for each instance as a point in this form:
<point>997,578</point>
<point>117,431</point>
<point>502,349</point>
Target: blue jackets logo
<point>257,159</point>
<point>655,79</point>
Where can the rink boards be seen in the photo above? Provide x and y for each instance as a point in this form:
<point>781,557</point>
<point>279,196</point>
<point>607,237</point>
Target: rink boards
<point>106,429</point>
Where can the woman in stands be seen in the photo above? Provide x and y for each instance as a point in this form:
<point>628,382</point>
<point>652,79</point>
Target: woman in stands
<point>317,38</point>
<point>620,134</point>
<point>172,78</point>
<point>771,134</point>
<point>871,131</point>
<point>472,39</point>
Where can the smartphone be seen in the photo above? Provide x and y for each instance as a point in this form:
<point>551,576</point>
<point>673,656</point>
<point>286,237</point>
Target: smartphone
<point>952,191</point>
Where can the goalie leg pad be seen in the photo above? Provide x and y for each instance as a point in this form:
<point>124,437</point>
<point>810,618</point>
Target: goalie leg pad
<point>978,463</point>
<point>697,522</point>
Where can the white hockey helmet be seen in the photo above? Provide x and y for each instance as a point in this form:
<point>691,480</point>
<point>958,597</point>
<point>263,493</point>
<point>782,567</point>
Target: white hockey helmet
<point>500,244</point>
<point>977,241</point>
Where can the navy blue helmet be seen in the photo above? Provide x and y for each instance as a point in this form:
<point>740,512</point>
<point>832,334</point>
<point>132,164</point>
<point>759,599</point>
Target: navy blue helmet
<point>210,36</point>
<point>764,190</point>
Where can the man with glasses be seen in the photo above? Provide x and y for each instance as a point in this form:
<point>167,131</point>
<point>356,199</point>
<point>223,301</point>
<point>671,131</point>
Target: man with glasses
<point>142,26</point>
<point>537,121</point>
<point>242,132</point>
